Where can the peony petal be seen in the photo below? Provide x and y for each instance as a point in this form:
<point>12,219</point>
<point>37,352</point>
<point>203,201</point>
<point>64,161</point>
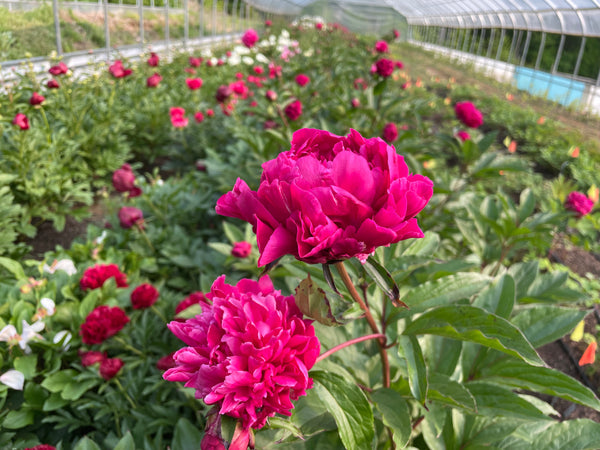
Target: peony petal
<point>352,173</point>
<point>273,244</point>
<point>13,379</point>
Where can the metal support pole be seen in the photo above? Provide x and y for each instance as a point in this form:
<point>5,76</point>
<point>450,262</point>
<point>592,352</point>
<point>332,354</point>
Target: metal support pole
<point>226,21</point>
<point>106,30</point>
<point>488,53</point>
<point>57,27</point>
<point>475,33</point>
<point>234,16</point>
<point>579,56</point>
<point>500,44</point>
<point>558,54</point>
<point>167,37</point>
<point>481,39</point>
<point>186,24</point>
<point>141,14</point>
<point>213,26</point>
<point>201,18</point>
<point>514,42</point>
<point>538,60</point>
<point>525,49</point>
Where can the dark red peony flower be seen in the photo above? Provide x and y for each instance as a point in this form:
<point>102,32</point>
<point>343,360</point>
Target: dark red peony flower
<point>223,93</point>
<point>36,99</point>
<point>42,447</point>
<point>153,80</point>
<point>384,67</point>
<point>90,358</point>
<point>166,362</point>
<point>52,84</point>
<point>21,121</point>
<point>60,69</point>
<point>123,179</point>
<point>118,71</point>
<point>130,216</point>
<point>95,276</point>
<point>153,60</point>
<point>468,114</point>
<point>195,62</point>
<point>293,110</point>
<point>110,367</point>
<point>102,323</point>
<point>302,80</point>
<point>194,298</point>
<point>144,296</point>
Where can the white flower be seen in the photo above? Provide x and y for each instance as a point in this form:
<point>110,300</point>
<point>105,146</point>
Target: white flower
<point>247,60</point>
<point>48,305</point>
<point>13,379</point>
<point>63,336</point>
<point>101,238</point>
<point>9,333</point>
<point>66,265</point>
<point>234,60</point>
<point>262,58</point>
<point>240,50</point>
<point>30,332</point>
<point>207,52</point>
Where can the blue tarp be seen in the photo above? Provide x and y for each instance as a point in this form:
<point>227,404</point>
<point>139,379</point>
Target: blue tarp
<point>554,87</point>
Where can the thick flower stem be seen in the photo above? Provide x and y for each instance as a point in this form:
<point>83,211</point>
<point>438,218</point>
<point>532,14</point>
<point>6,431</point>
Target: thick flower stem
<point>370,320</point>
<point>332,350</point>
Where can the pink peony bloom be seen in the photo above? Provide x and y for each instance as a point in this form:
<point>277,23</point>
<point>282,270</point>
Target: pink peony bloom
<point>271,95</point>
<point>118,71</point>
<point>268,23</point>
<point>330,198</point>
<point>193,83</point>
<point>130,216</point>
<point>249,352</point>
<point>199,117</point>
<point>294,110</point>
<point>319,26</point>
<point>468,114</point>
<point>95,276</point>
<point>384,67</point>
<point>123,179</point>
<point>355,103</point>
<point>302,80</point>
<point>60,69</point>
<point>195,62</point>
<point>579,203</point>
<point>396,34</point>
<point>21,121</point>
<point>360,83</point>
<point>463,135</point>
<point>153,80</point>
<point>241,249</point>
<point>250,38</point>
<point>52,84</point>
<point>153,60</point>
<point>390,132</point>
<point>381,47</point>
<point>178,119</point>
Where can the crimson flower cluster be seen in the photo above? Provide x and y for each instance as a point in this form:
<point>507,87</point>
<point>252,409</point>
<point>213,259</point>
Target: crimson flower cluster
<point>144,296</point>
<point>118,71</point>
<point>249,352</point>
<point>109,367</point>
<point>94,277</point>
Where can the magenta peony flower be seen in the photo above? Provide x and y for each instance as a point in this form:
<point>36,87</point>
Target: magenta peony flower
<point>153,60</point>
<point>118,71</point>
<point>178,119</point>
<point>60,69</point>
<point>154,80</point>
<point>381,47</point>
<point>302,80</point>
<point>579,203</point>
<point>384,67</point>
<point>468,114</point>
<point>249,351</point>
<point>390,132</point>
<point>250,38</point>
<point>195,62</point>
<point>294,110</point>
<point>463,135</point>
<point>123,179</point>
<point>194,83</point>
<point>330,198</point>
<point>199,117</point>
<point>36,99</point>
<point>109,367</point>
<point>21,121</point>
<point>130,216</point>
<point>52,84</point>
<point>241,249</point>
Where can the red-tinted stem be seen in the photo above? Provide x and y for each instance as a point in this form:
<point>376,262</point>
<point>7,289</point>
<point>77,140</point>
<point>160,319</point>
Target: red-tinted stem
<point>331,351</point>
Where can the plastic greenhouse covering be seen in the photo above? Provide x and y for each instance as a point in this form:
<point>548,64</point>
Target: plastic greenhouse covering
<point>572,17</point>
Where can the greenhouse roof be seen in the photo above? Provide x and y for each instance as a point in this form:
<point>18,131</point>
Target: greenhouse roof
<point>573,17</point>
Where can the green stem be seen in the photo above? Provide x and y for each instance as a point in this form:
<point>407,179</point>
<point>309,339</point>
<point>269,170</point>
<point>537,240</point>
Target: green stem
<point>370,320</point>
<point>141,228</point>
<point>125,394</point>
<point>158,313</point>
<point>49,135</point>
<point>129,347</point>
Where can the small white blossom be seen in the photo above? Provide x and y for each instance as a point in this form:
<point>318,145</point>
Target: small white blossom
<point>66,265</point>
<point>64,334</point>
<point>48,305</point>
<point>13,379</point>
<point>247,60</point>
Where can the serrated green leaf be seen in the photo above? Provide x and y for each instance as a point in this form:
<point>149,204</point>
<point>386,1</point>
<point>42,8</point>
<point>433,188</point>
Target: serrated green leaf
<point>410,350</point>
<point>517,374</point>
<point>496,401</point>
<point>395,414</point>
<point>468,323</point>
<point>544,324</point>
<point>499,297</point>
<point>349,407</point>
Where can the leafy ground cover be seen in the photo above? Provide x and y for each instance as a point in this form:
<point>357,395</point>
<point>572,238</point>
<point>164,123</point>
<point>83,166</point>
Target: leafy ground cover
<point>84,342</point>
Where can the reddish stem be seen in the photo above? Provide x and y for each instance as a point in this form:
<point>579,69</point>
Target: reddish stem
<point>331,351</point>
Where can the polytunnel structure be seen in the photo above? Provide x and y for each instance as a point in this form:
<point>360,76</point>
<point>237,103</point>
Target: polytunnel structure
<point>549,48</point>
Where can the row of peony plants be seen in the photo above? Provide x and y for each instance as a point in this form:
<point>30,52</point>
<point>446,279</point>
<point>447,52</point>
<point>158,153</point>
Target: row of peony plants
<point>421,335</point>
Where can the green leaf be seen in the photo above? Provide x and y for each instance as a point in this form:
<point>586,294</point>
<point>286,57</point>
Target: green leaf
<point>380,87</point>
<point>76,389</point>
<point>13,267</point>
<point>499,297</point>
<point>349,407</point>
<point>496,401</point>
<point>233,233</point>
<point>279,423</point>
<point>186,436</point>
<point>445,290</point>
<point>18,419</point>
<point>410,350</point>
<point>526,205</point>
<point>445,390</point>
<point>486,141</point>
<point>57,381</point>
<point>89,302</point>
<point>384,280</point>
<point>544,324</point>
<point>126,442</point>
<point>517,374</point>
<point>468,323</point>
<point>86,444</point>
<point>524,274</point>
<point>580,434</point>
<point>27,365</point>
<point>395,414</point>
<point>313,303</point>
<point>426,246</point>
<point>54,402</point>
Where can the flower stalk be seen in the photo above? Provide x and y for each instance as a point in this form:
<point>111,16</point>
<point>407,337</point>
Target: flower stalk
<point>332,350</point>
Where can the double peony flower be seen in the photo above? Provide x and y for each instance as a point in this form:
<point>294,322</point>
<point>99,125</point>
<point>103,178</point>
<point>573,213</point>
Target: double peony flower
<point>248,353</point>
<point>330,198</point>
